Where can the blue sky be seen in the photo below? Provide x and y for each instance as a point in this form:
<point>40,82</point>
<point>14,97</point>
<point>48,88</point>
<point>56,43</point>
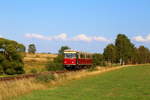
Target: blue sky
<point>87,25</point>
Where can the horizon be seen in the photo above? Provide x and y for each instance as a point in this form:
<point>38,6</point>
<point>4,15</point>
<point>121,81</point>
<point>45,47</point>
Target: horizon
<point>82,25</point>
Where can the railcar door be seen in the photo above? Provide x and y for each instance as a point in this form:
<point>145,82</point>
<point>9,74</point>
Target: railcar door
<point>77,58</point>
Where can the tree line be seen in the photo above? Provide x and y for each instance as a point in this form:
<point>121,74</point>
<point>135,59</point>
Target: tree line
<point>122,51</point>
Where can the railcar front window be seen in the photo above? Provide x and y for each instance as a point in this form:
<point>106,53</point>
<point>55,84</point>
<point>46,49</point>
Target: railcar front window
<point>70,55</point>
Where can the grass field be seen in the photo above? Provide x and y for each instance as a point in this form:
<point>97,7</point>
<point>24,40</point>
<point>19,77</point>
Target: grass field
<point>130,83</point>
<point>37,61</point>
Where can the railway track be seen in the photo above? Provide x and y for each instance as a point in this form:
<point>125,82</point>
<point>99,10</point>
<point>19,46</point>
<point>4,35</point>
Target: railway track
<point>27,76</point>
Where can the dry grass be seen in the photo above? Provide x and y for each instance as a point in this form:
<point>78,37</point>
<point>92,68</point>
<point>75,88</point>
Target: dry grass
<point>17,88</point>
<point>37,61</point>
<point>28,66</point>
<point>39,57</point>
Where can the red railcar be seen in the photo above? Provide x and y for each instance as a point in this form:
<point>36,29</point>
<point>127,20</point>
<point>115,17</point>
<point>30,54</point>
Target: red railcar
<point>76,59</point>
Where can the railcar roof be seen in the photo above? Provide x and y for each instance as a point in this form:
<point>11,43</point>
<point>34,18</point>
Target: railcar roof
<point>75,51</point>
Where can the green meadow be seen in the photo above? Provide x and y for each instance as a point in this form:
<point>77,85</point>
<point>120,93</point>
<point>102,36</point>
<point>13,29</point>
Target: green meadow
<point>130,83</point>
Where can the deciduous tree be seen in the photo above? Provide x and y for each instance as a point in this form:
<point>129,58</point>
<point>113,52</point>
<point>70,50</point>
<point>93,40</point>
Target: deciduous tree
<point>32,48</point>
<point>143,55</point>
<point>61,50</point>
<point>11,60</point>
<point>124,49</point>
<point>110,53</point>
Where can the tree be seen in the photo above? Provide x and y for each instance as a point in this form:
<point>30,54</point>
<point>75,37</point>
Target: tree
<point>110,53</point>
<point>124,49</point>
<point>21,48</point>
<point>143,55</point>
<point>32,48</point>
<point>11,60</point>
<point>98,59</point>
<point>135,56</point>
<point>61,50</point>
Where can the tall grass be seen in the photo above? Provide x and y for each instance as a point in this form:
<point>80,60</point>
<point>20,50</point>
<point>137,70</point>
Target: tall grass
<point>19,87</point>
<point>15,88</point>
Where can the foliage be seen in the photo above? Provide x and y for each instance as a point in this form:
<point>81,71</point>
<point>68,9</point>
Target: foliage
<point>56,64</point>
<point>98,60</point>
<point>21,48</point>
<point>61,50</point>
<point>110,53</point>
<point>124,52</point>
<point>124,49</point>
<point>143,55</point>
<point>45,78</point>
<point>11,60</point>
<point>32,48</point>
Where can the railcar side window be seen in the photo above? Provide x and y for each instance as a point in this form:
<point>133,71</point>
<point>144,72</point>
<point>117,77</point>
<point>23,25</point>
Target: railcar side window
<point>70,55</point>
<point>82,55</point>
<point>88,56</point>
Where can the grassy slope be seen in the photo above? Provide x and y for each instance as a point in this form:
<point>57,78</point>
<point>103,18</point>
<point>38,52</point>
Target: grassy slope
<point>131,83</point>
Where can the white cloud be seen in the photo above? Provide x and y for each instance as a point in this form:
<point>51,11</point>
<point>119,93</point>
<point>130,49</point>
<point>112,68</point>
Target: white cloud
<point>82,37</point>
<point>63,36</point>
<point>101,39</point>
<point>37,36</point>
<point>142,38</point>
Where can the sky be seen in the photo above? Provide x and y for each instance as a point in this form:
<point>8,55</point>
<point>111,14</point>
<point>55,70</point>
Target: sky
<point>84,25</point>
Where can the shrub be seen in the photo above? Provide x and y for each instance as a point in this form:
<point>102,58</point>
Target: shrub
<point>10,71</point>
<point>53,66</point>
<point>56,64</point>
<point>45,78</point>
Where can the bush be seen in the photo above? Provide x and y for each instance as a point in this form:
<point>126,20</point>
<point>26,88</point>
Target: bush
<point>56,64</point>
<point>45,78</point>
<point>53,66</point>
<point>10,71</point>
<point>33,70</point>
